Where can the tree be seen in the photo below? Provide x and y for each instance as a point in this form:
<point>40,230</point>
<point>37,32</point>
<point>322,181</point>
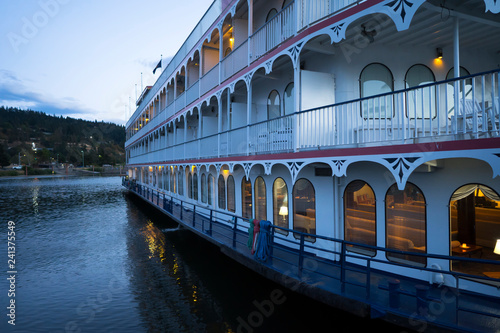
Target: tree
<point>4,158</point>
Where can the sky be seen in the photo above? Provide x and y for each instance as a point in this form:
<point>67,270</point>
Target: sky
<point>84,58</point>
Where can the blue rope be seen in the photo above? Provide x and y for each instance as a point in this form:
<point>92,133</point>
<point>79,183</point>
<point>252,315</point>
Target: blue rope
<point>263,248</point>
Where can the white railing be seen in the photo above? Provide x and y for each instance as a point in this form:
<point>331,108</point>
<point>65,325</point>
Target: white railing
<point>235,61</point>
<point>412,115</point>
<point>421,114</point>
<point>274,135</point>
<point>180,102</point>
<point>274,32</point>
<point>311,11</point>
<point>209,80</point>
<point>193,92</point>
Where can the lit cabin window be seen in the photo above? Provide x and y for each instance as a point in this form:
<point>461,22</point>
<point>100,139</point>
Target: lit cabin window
<point>260,199</point>
<point>167,178</point>
<point>221,189</point>
<point>180,186</point>
<point>359,222</point>
<point>273,105</point>
<point>420,102</point>
<point>210,189</point>
<point>474,231</point>
<point>280,205</point>
<point>195,186</point>
<point>246,198</point>
<point>231,203</point>
<point>190,186</point>
<point>376,79</point>
<point>304,208</point>
<point>204,188</point>
<point>405,213</point>
<point>173,186</point>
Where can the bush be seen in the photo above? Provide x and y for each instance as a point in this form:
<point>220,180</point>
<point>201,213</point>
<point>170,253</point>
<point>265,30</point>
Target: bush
<point>9,173</point>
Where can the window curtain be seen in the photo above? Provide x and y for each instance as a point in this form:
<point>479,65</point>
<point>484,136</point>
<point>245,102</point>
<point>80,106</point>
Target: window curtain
<point>467,190</point>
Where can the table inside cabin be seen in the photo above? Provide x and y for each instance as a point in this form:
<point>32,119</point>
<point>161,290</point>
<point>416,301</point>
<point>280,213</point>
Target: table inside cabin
<point>468,251</point>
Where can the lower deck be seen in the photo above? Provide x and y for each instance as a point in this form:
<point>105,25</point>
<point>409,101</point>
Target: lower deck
<point>341,274</point>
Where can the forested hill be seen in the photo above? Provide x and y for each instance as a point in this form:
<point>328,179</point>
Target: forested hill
<point>61,139</point>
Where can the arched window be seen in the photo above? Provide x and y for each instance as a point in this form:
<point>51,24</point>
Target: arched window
<point>289,99</point>
<point>167,178</point>
<point>203,188</point>
<point>246,198</point>
<point>260,199</point>
<point>190,186</point>
<point>405,213</point>
<point>231,202</point>
<point>221,189</point>
<point>280,205</point>
<point>286,3</point>
<point>195,186</point>
<point>420,102</point>
<point>376,79</point>
<point>359,212</point>
<point>304,208</point>
<point>474,216</point>
<point>273,105</point>
<point>173,183</point>
<point>180,180</point>
<point>210,189</point>
<point>272,13</point>
<point>462,93</point>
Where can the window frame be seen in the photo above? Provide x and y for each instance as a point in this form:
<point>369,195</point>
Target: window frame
<point>407,260</point>
<point>364,98</point>
<point>276,216</point>
<point>355,248</point>
<point>259,202</point>
<point>295,205</point>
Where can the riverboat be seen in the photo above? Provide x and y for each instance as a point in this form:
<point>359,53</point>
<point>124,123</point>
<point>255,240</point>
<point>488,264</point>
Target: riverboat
<point>348,150</point>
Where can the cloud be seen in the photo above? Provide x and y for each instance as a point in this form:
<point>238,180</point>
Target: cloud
<point>13,93</point>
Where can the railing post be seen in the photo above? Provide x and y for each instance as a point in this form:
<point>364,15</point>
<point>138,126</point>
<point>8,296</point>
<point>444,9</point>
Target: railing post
<point>235,219</point>
<point>211,221</point>
<point>194,216</point>
<point>342,267</point>
<point>368,279</point>
<point>393,293</point>
<point>422,301</point>
<point>301,255</point>
<point>180,217</point>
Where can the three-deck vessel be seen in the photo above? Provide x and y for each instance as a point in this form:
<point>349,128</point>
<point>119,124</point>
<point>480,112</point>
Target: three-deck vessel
<point>366,132</point>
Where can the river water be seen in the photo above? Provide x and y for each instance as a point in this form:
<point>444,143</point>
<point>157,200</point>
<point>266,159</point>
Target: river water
<point>91,258</point>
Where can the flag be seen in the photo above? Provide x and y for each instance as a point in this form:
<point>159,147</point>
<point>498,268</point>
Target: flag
<point>157,66</point>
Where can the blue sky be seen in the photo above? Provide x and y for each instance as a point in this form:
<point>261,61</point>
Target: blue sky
<point>84,58</point>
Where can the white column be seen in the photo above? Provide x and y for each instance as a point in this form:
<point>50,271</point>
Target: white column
<point>250,30</point>
<point>456,47</point>
<point>297,94</point>
<point>249,114</point>
<point>456,70</point>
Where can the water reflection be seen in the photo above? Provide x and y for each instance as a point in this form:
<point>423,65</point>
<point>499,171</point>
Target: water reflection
<point>36,189</point>
<point>93,259</point>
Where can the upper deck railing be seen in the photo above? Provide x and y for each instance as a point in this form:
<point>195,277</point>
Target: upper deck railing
<point>456,109</point>
<point>296,16</point>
